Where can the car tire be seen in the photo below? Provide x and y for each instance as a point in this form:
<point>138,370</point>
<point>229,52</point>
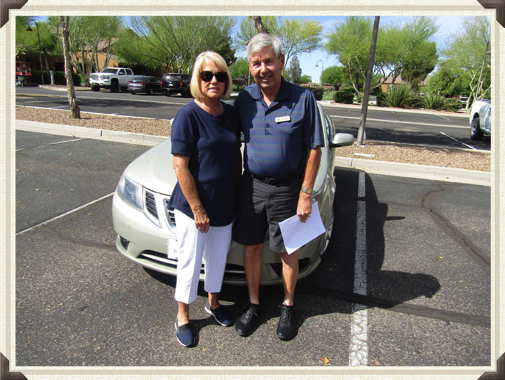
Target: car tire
<point>167,93</point>
<point>150,91</point>
<point>95,88</point>
<point>475,132</point>
<point>329,235</point>
<point>132,92</point>
<point>114,87</point>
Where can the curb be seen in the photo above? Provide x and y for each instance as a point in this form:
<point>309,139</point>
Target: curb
<point>436,173</point>
<point>89,133</point>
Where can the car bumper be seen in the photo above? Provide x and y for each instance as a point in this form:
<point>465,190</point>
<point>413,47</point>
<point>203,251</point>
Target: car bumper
<point>145,243</point>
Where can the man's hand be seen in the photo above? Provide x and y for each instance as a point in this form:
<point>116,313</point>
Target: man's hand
<point>202,221</point>
<point>304,207</point>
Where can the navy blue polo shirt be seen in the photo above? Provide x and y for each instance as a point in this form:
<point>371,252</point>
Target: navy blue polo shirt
<point>211,142</point>
<point>279,136</point>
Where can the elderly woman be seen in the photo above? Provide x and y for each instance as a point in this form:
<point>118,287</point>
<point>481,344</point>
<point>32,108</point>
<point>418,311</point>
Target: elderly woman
<point>206,150</point>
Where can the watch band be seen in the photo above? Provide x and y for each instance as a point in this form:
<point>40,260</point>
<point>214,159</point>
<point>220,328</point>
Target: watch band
<point>307,190</point>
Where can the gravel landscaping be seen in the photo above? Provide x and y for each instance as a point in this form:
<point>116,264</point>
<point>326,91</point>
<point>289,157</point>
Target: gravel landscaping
<point>373,150</point>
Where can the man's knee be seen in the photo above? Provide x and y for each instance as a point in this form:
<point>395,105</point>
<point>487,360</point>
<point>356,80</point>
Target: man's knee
<point>253,251</point>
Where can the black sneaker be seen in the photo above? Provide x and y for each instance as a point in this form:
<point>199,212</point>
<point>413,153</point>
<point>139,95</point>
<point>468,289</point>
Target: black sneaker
<point>246,321</point>
<point>184,334</point>
<point>286,328</point>
<point>220,314</point>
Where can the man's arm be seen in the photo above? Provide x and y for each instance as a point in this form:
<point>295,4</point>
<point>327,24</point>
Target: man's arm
<point>304,205</point>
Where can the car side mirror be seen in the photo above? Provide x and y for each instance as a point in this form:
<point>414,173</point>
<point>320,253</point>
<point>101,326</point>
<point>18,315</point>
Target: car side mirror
<point>342,139</point>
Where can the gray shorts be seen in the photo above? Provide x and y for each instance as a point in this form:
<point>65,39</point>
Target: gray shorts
<point>262,204</point>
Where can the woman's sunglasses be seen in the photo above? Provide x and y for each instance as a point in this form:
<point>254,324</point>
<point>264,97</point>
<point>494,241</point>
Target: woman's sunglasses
<point>206,76</point>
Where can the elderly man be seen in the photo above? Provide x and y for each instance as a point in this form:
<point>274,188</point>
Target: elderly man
<point>283,136</point>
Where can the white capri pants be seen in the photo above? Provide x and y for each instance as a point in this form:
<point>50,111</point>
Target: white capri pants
<point>194,246</point>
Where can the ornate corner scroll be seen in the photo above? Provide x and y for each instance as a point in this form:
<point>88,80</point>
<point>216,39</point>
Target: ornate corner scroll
<point>4,371</point>
<point>6,5</point>
<point>499,5</point>
<point>500,367</point>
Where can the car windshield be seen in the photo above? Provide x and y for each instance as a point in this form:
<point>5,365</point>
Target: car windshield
<point>109,71</point>
<point>173,77</point>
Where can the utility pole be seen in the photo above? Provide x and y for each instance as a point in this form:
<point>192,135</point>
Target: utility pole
<point>368,82</point>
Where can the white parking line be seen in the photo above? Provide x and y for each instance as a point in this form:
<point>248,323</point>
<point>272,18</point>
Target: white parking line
<point>401,122</point>
<point>471,147</point>
<point>65,214</point>
<point>358,352</point>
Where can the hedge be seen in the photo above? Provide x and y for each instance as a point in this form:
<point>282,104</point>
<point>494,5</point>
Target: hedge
<point>318,92</point>
<point>59,77</point>
<point>343,97</point>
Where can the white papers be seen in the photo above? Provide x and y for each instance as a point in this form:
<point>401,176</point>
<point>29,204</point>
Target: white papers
<point>296,233</point>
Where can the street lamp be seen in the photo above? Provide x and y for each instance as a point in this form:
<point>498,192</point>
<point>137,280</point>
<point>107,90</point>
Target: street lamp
<point>322,69</point>
<point>40,55</point>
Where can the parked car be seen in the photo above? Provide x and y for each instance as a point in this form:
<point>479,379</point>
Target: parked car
<point>148,85</point>
<point>480,119</point>
<point>176,83</point>
<point>113,78</point>
<point>146,231</point>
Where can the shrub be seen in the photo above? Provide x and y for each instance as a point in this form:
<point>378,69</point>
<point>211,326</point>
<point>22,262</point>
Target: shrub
<point>59,77</point>
<point>453,105</point>
<point>318,92</point>
<point>434,102</point>
<point>400,96</point>
<point>381,99</point>
<point>343,97</point>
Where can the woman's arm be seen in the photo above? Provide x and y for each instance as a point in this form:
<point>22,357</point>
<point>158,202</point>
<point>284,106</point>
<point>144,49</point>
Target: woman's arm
<point>188,187</point>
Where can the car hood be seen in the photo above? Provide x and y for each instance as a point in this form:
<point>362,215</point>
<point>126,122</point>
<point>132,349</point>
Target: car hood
<point>153,169</point>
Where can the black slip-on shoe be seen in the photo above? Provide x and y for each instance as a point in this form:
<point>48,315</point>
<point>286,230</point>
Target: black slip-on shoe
<point>286,329</point>
<point>184,334</point>
<point>220,314</point>
<point>247,320</point>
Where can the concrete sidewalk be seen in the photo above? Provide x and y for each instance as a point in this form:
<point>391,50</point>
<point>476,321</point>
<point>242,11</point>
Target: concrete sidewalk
<point>472,177</point>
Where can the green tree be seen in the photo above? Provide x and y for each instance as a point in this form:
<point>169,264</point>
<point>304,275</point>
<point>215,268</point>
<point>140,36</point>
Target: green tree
<point>415,71</point>
<point>304,79</point>
<point>294,70</point>
<point>133,50</point>
<point>397,47</point>
<point>175,42</point>
<point>296,34</point>
<point>334,75</point>
<point>469,50</point>
<point>240,69</point>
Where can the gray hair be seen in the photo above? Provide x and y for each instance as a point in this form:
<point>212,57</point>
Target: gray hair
<point>260,40</point>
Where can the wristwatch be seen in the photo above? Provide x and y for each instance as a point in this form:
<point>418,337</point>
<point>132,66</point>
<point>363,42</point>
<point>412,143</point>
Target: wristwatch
<point>307,190</point>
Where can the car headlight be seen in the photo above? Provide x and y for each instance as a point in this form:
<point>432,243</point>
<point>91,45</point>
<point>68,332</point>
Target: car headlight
<point>105,77</point>
<point>130,192</point>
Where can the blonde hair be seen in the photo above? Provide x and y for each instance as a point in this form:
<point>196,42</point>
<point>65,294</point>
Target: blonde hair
<point>195,77</point>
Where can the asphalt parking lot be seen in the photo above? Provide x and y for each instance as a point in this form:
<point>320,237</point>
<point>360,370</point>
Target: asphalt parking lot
<point>424,258</point>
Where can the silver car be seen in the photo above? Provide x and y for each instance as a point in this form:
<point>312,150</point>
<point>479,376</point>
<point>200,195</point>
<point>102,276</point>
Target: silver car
<point>146,228</point>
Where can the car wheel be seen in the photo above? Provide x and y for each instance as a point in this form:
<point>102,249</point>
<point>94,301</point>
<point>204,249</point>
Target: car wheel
<point>95,88</point>
<point>132,92</point>
<point>150,91</point>
<point>114,87</point>
<point>329,234</point>
<point>167,93</point>
<point>475,132</point>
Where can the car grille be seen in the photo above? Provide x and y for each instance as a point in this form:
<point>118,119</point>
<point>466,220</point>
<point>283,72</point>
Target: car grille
<point>151,204</point>
<point>170,214</point>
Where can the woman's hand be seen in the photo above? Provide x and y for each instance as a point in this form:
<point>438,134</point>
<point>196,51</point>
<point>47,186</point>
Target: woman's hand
<point>202,221</point>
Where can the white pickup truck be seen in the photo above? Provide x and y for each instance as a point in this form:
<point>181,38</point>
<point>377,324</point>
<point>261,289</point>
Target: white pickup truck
<point>114,78</point>
<point>480,119</point>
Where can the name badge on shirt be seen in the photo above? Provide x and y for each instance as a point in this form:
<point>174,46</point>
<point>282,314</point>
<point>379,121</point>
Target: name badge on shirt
<point>281,119</point>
